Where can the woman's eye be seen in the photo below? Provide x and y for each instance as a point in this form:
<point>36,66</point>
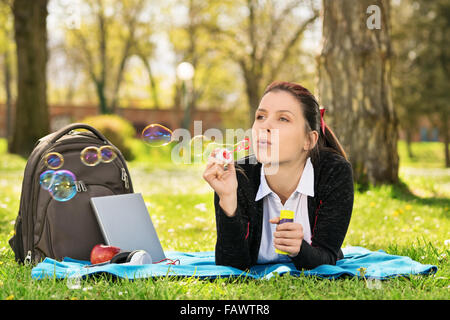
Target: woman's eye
<point>259,117</point>
<point>284,119</point>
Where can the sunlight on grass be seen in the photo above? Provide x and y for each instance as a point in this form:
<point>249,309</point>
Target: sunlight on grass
<point>425,154</point>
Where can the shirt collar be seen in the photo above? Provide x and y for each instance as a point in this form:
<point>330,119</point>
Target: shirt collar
<point>305,185</point>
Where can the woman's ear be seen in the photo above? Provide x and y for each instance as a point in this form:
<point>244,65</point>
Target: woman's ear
<point>312,138</point>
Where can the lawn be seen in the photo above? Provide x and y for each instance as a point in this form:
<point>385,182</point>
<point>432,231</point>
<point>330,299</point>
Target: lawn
<point>411,220</point>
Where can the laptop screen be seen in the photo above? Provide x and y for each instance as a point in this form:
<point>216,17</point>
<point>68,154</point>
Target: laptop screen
<point>126,223</point>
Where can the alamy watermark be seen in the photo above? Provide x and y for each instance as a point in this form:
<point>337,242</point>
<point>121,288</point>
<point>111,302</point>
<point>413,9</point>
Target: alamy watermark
<point>374,20</point>
<point>188,150</point>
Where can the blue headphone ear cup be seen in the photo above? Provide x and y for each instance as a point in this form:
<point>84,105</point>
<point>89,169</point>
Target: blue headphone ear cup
<point>121,257</point>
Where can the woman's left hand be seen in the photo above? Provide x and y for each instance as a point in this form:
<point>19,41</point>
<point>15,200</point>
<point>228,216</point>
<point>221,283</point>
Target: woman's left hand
<point>288,236</point>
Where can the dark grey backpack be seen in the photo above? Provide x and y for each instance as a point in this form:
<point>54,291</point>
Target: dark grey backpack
<point>49,228</point>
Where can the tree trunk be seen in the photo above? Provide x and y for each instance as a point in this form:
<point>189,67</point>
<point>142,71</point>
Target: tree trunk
<point>189,89</point>
<point>102,102</point>
<point>188,106</point>
<point>254,97</point>
<point>445,129</point>
<point>153,88</point>
<point>7,75</point>
<point>355,88</point>
<point>408,142</point>
<point>253,91</point>
<point>32,115</point>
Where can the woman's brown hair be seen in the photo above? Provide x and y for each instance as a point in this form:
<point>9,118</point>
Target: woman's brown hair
<point>311,112</point>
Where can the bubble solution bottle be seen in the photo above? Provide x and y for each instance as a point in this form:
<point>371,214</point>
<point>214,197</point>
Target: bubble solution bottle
<point>285,216</point>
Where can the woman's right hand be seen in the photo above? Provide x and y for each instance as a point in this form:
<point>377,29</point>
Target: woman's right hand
<point>224,183</point>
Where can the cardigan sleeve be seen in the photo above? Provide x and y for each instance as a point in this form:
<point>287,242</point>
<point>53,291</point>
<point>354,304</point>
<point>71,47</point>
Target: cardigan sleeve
<point>331,220</point>
<point>232,246</point>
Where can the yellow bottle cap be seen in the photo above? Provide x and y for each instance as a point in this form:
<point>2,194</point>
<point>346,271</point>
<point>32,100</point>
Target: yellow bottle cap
<point>286,214</point>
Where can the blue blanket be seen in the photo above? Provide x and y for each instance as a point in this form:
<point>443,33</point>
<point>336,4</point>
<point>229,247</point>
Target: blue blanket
<point>376,264</point>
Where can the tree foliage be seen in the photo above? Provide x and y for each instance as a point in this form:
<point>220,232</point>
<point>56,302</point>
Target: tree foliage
<point>421,73</point>
<point>105,40</point>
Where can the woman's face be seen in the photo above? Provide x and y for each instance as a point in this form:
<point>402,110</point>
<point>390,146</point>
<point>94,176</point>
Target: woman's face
<point>278,132</point>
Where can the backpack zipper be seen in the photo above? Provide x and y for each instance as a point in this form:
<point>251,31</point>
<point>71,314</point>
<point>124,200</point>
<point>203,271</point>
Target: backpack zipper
<point>77,185</point>
<point>81,187</point>
<point>125,178</point>
<point>27,260</point>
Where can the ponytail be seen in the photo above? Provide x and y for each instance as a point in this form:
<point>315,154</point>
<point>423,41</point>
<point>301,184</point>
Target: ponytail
<point>327,142</point>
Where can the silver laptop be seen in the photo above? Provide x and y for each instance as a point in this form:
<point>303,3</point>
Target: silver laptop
<point>126,223</point>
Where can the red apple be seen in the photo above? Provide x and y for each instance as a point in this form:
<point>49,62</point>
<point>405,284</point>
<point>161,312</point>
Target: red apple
<point>102,253</point>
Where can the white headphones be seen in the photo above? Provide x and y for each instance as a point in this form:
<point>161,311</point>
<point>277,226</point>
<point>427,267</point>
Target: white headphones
<point>136,257</point>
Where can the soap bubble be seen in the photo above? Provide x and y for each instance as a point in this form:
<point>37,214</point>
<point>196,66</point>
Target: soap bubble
<point>224,154</point>
<point>73,282</point>
<point>54,160</point>
<point>63,187</point>
<point>227,152</point>
<point>61,184</point>
<point>374,280</point>
<point>46,179</point>
<point>373,283</point>
<point>107,154</point>
<point>199,144</point>
<point>90,156</point>
<point>242,145</point>
<point>157,135</point>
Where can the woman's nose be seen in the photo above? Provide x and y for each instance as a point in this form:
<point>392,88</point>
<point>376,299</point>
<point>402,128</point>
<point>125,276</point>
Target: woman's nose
<point>266,125</point>
<point>263,126</point>
<point>264,132</point>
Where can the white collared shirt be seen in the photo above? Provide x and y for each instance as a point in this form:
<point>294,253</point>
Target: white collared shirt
<point>297,202</point>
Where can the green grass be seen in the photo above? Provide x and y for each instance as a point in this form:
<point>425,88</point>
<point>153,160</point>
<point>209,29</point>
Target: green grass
<point>412,219</point>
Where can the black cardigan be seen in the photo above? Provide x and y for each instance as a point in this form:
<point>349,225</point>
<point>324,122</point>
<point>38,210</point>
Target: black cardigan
<point>239,237</point>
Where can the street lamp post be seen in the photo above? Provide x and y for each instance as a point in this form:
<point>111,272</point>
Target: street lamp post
<point>185,72</point>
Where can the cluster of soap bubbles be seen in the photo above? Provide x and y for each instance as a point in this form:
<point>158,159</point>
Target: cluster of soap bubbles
<point>62,184</point>
<point>156,135</point>
<point>224,152</point>
<point>92,156</point>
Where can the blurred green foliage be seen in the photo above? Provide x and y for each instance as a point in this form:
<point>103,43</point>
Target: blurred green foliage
<point>117,130</point>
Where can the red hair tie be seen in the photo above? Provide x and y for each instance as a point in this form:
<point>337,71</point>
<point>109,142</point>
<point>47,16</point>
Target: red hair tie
<point>322,123</point>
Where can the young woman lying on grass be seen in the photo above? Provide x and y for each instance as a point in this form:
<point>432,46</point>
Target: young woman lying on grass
<point>299,165</point>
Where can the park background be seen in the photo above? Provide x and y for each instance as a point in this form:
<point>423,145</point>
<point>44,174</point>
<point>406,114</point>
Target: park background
<point>380,68</point>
